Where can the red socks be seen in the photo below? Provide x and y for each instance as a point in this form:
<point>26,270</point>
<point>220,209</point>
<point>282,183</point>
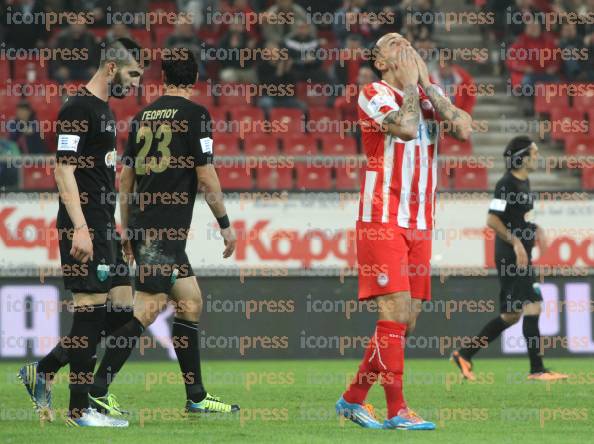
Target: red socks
<point>384,358</point>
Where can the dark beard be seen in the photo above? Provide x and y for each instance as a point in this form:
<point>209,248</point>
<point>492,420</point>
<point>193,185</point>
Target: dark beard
<point>116,88</point>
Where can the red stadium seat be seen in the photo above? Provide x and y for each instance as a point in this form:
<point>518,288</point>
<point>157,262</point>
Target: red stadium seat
<point>566,122</point>
<point>233,95</point>
<point>290,118</point>
<point>300,145</point>
<point>334,145</point>
<point>38,178</point>
<point>544,104</point>
<point>249,119</point>
<point>270,178</point>
<point>8,104</point>
<point>579,145</point>
<point>348,178</point>
<point>219,115</point>
<point>235,178</point>
<point>21,67</point>
<point>588,178</point>
<point>314,95</point>
<point>444,177</point>
<point>313,177</point>
<point>260,145</point>
<point>161,33</point>
<point>204,100</point>
<point>470,177</point>
<point>142,37</point>
<point>584,102</point>
<point>324,120</point>
<point>450,146</point>
<point>4,72</point>
<point>226,145</point>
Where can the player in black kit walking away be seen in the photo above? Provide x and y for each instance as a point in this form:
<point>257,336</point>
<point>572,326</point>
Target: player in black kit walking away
<point>519,293</point>
<point>91,259</point>
<point>169,156</point>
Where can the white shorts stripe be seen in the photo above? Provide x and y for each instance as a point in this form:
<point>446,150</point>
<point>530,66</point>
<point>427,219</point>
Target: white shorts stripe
<point>370,178</point>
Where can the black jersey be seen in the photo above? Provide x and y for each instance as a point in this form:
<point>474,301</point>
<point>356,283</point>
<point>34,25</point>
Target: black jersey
<point>86,138</point>
<point>168,139</point>
<point>512,200</point>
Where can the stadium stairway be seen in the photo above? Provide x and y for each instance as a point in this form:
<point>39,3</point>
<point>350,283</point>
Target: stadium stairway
<point>503,114</point>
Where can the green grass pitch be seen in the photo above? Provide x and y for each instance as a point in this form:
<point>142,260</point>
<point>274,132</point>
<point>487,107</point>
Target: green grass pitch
<point>293,401</point>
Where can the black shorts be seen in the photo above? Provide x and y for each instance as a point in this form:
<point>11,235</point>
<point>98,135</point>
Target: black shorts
<point>159,263</point>
<point>108,268</point>
<point>516,285</point>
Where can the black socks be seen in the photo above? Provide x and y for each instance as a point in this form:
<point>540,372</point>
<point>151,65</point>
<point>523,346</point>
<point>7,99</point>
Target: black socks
<point>491,331</point>
<point>185,343</point>
<point>57,358</point>
<point>118,348</point>
<point>86,326</point>
<point>532,336</point>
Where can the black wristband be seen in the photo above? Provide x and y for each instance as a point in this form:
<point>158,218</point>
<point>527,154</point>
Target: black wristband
<point>224,222</point>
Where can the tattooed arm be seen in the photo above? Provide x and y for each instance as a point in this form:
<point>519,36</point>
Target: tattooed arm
<point>458,122</point>
<point>404,123</point>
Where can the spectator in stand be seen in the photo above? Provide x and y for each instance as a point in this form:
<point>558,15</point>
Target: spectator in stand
<point>240,9</point>
<point>282,20</point>
<point>277,70</point>
<point>422,18</point>
<point>457,83</point>
<point>347,103</point>
<point>570,41</point>
<point>96,8</point>
<point>234,69</point>
<point>183,36</point>
<point>80,61</point>
<point>9,175</point>
<point>519,14</point>
<point>23,129</point>
<point>302,45</point>
<point>26,36</point>
<point>523,57</point>
<point>118,31</point>
<point>351,57</point>
<point>349,20</point>
<point>587,31</point>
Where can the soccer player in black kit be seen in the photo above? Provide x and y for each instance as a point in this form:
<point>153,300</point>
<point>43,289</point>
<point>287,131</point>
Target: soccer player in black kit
<point>169,157</point>
<point>92,261</point>
<point>519,293</point>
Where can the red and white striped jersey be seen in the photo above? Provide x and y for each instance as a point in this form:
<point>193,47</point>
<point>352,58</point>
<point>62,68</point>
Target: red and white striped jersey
<point>400,177</point>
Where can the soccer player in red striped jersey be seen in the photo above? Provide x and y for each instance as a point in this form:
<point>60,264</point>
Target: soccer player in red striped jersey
<point>399,117</point>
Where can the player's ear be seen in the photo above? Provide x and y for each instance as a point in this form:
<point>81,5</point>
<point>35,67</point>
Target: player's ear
<point>111,69</point>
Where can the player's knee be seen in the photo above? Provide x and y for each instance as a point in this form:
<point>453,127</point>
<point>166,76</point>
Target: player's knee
<point>511,318</point>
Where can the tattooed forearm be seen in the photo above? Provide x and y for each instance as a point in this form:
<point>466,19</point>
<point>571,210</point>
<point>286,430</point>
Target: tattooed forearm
<point>460,120</point>
<point>404,123</point>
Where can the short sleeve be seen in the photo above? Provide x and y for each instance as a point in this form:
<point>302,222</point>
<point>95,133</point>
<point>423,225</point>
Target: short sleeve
<point>499,204</point>
<point>375,103</point>
<point>201,143</point>
<point>72,131</point>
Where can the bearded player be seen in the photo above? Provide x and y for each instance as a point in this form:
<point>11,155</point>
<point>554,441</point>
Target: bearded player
<point>398,117</point>
<point>85,175</point>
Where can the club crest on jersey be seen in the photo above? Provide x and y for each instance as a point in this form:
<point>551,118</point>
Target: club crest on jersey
<point>382,279</point>
<point>110,159</point>
<point>102,272</point>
